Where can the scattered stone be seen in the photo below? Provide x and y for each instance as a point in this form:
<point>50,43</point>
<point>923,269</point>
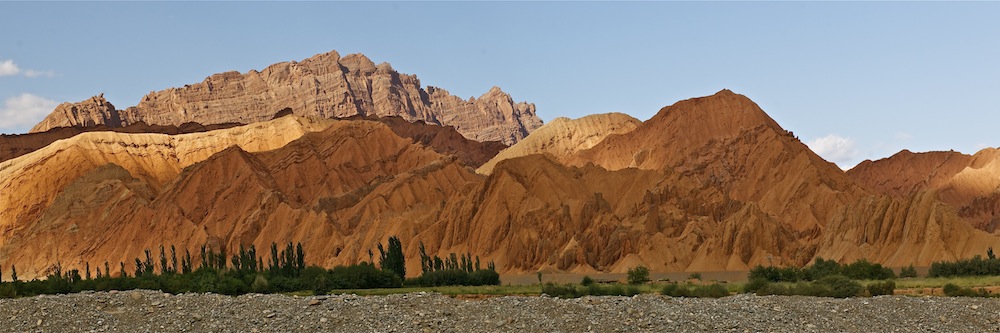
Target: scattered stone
<point>439,313</point>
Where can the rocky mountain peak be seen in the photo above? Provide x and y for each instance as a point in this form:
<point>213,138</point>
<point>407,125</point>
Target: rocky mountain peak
<point>90,112</point>
<point>326,85</point>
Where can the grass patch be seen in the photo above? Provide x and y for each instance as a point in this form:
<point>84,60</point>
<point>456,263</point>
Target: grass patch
<point>940,282</point>
<point>526,290</point>
<point>691,290</point>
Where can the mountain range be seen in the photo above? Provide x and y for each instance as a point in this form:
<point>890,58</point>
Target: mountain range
<point>339,154</point>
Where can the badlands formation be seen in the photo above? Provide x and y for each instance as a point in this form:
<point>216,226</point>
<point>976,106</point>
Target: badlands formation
<point>564,137</point>
<point>707,184</point>
<point>327,86</point>
<point>968,183</point>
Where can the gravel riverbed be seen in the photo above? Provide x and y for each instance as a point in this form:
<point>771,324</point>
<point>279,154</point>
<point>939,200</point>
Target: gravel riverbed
<point>153,311</point>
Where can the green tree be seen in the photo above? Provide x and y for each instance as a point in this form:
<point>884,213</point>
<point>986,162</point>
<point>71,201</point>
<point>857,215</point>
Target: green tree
<point>173,259</point>
<point>392,259</point>
<point>300,258</point>
<point>638,275</point>
<point>163,261</point>
<point>908,272</point>
<point>426,263</point>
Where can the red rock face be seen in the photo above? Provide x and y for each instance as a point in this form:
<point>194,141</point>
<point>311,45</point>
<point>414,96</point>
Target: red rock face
<point>445,140</point>
<point>710,183</point>
<point>12,146</point>
<point>91,112</point>
<point>325,85</point>
<point>968,183</point>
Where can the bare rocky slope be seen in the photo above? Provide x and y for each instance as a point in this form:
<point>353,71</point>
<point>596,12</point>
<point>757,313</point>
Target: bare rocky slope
<point>563,137</point>
<point>107,196</point>
<point>968,183</point>
<point>12,146</point>
<point>445,140</point>
<point>326,85</point>
<point>707,184</point>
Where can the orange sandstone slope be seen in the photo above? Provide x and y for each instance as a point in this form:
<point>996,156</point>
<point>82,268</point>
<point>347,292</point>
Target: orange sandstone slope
<point>724,149</point>
<point>31,182</point>
<point>970,184</point>
<point>906,172</point>
<point>564,137</point>
<point>12,146</point>
<point>326,85</point>
<point>445,140</point>
<point>338,192</point>
<point>725,143</point>
<point>710,183</point>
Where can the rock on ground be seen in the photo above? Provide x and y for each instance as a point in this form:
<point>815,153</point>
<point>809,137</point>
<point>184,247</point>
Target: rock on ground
<point>153,311</point>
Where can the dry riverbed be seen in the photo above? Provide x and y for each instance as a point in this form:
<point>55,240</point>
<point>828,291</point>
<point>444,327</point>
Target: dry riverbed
<point>153,311</point>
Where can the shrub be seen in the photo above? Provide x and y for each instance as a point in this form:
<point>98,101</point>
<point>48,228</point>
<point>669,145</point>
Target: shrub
<point>956,291</point>
<point>561,290</point>
<point>951,289</point>
<point>977,266</point>
<point>259,284</point>
<point>631,290</point>
<point>864,270</point>
<point>574,291</point>
<point>860,270</point>
<point>908,272</point>
<point>808,289</point>
<point>714,290</point>
<point>232,286</point>
<point>775,274</point>
<point>587,281</point>
<point>830,286</point>
<point>612,290</point>
<point>316,279</point>
<point>456,277</point>
<point>484,277</point>
<point>821,268</point>
<point>756,285</point>
<point>7,290</point>
<point>840,286</point>
<point>638,275</point>
<point>886,287</point>
<point>363,276</point>
<point>675,290</point>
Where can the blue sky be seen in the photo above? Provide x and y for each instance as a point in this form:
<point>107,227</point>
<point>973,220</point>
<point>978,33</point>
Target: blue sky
<point>856,80</point>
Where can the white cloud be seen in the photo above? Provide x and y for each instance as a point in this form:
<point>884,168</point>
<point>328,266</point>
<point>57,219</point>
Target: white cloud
<point>34,73</point>
<point>24,111</point>
<point>9,68</point>
<point>836,149</point>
